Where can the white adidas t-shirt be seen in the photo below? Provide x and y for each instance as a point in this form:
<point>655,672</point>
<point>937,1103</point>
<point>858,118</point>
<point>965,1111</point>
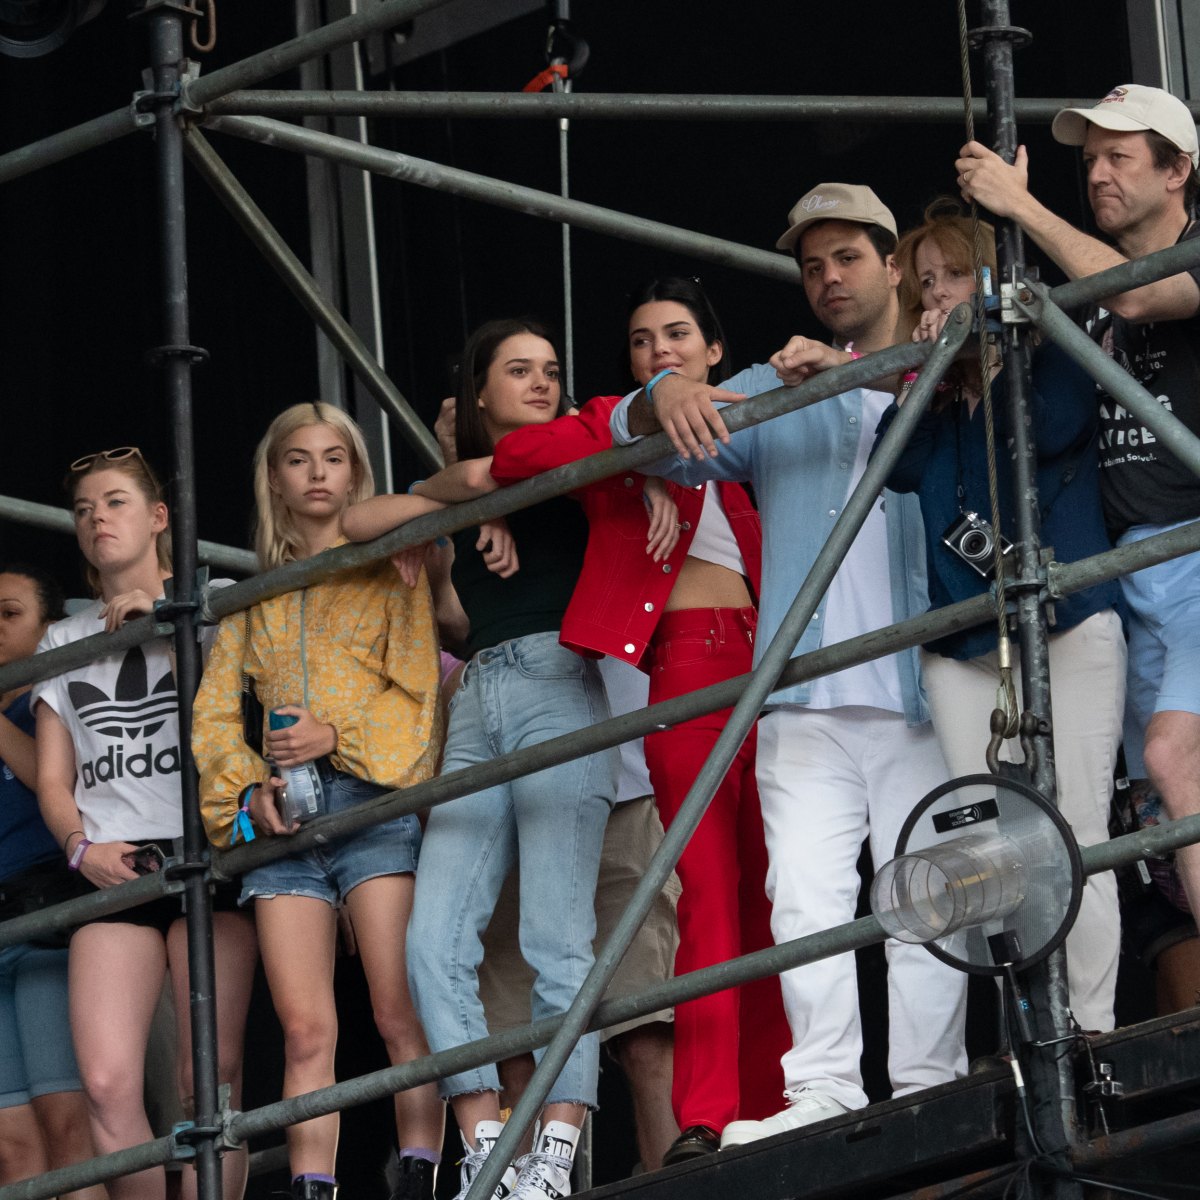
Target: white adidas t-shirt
<point>122,713</point>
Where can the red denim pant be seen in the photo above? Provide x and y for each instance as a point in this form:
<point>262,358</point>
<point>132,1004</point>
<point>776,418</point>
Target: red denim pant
<point>728,1045</point>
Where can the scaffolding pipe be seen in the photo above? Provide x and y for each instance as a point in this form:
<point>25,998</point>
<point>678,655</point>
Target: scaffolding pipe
<point>246,73</point>
<point>1094,289</point>
<point>374,18</point>
<point>176,358</point>
<point>623,107</point>
<point>46,516</point>
<point>762,681</point>
<point>760,964</point>
<point>1114,379</point>
<point>1051,1076</point>
<point>56,148</point>
<point>394,165</point>
<point>221,602</point>
<point>1066,578</point>
<point>305,288</point>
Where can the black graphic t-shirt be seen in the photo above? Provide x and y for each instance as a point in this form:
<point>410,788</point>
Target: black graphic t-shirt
<point>1141,483</point>
<point>122,713</point>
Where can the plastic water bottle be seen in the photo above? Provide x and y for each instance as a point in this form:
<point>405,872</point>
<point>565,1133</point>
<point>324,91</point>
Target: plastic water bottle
<point>302,796</point>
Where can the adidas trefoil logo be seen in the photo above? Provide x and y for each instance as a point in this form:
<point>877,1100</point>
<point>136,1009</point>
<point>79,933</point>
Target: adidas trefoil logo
<point>133,709</point>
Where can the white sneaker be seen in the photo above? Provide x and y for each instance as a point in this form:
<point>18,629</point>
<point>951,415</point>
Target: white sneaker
<point>542,1177</point>
<point>486,1133</point>
<point>805,1107</point>
<point>546,1173</point>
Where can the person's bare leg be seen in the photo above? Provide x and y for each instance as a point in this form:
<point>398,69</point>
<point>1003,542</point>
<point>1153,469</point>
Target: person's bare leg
<point>646,1055</point>
<point>22,1152</point>
<point>473,1107</point>
<point>515,1074</point>
<point>62,1117</point>
<point>1172,754</point>
<point>296,935</point>
<point>380,909</point>
<point>1177,976</point>
<point>115,976</point>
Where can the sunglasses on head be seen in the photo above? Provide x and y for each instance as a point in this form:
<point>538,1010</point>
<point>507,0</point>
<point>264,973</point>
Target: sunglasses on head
<point>121,452</point>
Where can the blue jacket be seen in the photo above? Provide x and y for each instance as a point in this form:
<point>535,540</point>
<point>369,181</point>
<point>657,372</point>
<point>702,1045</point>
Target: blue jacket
<point>799,465</point>
<point>949,447</point>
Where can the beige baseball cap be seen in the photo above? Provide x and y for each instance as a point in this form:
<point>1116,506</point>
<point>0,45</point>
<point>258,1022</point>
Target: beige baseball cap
<point>1131,107</point>
<point>836,202</point>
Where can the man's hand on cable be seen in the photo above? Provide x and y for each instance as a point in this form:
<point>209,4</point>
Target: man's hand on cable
<point>983,176</point>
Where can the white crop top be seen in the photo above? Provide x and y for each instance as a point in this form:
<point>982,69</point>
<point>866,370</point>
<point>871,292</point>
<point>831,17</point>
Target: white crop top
<point>714,541</point>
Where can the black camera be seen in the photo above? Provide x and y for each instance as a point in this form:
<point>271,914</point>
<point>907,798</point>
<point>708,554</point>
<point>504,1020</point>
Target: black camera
<point>974,541</point>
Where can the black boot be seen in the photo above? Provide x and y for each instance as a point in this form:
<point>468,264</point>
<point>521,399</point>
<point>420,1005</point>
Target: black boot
<point>304,1187</point>
<point>415,1179</point>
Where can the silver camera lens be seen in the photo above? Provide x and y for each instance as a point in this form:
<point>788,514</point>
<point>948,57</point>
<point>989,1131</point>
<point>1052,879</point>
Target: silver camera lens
<point>975,544</point>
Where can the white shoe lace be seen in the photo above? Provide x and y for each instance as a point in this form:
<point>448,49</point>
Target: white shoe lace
<point>804,1099</point>
<point>536,1180</point>
<point>469,1167</point>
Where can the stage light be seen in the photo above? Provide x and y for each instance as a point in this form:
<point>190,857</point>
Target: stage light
<point>31,28</point>
<point>987,875</point>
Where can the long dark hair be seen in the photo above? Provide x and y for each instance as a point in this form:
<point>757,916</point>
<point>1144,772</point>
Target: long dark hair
<point>693,297</point>
<point>477,356</point>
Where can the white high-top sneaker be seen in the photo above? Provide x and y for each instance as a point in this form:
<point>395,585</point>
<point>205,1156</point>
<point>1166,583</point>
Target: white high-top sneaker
<point>486,1133</point>
<point>545,1174</point>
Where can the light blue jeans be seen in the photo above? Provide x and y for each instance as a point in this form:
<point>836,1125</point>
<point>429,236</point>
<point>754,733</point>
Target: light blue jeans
<point>514,695</point>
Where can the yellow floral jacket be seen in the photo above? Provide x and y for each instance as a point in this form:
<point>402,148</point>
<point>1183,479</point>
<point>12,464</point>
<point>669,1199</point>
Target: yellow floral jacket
<point>359,650</point>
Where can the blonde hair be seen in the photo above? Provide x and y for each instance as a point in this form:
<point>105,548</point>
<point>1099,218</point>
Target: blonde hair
<point>275,538</point>
<point>951,232</point>
<point>141,474</point>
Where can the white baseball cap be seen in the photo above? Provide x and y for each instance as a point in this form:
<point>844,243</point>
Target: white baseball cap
<point>1128,108</point>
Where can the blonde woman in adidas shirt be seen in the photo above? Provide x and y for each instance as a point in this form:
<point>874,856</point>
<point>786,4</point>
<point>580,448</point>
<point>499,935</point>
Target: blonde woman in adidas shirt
<point>108,782</point>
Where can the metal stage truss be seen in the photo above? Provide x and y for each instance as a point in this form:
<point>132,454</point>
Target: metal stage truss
<point>864,1150</point>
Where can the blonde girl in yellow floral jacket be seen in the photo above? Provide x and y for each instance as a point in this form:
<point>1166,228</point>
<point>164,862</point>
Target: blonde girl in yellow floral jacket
<point>355,660</point>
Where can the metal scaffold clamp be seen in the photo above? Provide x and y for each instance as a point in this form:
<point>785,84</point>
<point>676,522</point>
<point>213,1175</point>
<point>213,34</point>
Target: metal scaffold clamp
<point>186,1134</point>
<point>1010,294</point>
<point>194,605</point>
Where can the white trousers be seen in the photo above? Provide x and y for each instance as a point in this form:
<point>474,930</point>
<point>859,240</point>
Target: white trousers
<point>828,778</point>
<point>1087,680</point>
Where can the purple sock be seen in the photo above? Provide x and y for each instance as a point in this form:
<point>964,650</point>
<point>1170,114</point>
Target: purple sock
<point>316,1178</point>
<point>429,1156</point>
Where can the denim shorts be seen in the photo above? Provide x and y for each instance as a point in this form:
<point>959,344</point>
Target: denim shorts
<point>36,1058</point>
<point>1164,642</point>
<point>331,871</point>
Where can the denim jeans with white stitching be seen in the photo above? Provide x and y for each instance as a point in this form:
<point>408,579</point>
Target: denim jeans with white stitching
<point>514,695</point>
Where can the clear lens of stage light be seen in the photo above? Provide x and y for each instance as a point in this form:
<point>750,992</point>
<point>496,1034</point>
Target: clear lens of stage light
<point>930,893</point>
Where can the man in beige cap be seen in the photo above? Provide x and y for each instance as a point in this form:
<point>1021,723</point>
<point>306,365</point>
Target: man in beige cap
<point>1140,149</point>
<point>847,756</point>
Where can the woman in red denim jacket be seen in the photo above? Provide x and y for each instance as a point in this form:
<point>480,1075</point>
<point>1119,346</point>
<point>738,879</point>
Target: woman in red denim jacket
<point>689,620</point>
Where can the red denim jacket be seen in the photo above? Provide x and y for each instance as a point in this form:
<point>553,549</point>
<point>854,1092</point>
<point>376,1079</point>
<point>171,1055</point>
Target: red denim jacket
<point>621,591</point>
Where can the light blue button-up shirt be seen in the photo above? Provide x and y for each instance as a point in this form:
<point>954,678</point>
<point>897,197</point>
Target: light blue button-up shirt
<point>799,465</point>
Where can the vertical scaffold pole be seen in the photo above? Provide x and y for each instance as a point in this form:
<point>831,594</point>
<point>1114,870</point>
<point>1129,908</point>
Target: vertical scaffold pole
<point>1051,1082</point>
<point>176,358</point>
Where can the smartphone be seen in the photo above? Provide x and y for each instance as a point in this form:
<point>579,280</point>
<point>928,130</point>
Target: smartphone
<point>145,860</point>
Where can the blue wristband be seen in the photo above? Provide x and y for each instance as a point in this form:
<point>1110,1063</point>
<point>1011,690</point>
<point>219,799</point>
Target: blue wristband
<point>650,386</point>
<point>242,825</point>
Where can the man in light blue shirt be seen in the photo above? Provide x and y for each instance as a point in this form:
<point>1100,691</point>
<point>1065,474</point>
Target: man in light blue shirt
<point>846,756</point>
